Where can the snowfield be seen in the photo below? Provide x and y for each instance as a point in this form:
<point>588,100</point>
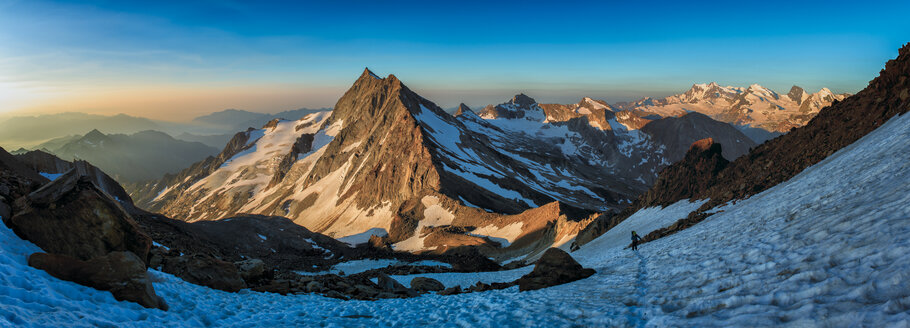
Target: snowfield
<point>829,248</point>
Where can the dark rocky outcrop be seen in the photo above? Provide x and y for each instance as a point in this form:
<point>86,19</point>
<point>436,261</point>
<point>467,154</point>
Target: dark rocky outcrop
<point>555,267</point>
<point>252,270</point>
<point>388,284</point>
<point>276,241</point>
<point>12,166</point>
<point>40,161</point>
<point>423,284</point>
<point>72,216</point>
<point>121,273</point>
<point>677,133</point>
<point>690,176</point>
<point>454,290</point>
<point>205,271</point>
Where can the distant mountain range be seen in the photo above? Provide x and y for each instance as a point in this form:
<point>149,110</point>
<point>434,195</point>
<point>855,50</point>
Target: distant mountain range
<point>135,157</point>
<point>212,129</point>
<point>746,107</point>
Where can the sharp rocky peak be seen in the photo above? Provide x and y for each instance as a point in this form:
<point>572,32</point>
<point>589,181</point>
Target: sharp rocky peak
<point>462,109</point>
<point>522,100</point>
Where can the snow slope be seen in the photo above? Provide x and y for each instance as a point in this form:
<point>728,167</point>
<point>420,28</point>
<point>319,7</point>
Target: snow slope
<point>813,251</point>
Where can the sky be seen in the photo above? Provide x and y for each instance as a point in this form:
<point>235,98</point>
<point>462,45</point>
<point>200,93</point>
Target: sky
<point>174,60</point>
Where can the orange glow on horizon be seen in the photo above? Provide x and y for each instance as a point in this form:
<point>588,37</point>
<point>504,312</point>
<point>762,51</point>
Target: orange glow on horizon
<point>165,102</point>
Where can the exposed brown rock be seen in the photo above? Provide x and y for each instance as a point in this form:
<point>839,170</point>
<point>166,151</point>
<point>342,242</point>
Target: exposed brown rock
<point>454,290</point>
<point>678,133</point>
<point>205,271</point>
<point>121,273</point>
<point>40,161</point>
<point>252,269</point>
<point>555,267</point>
<point>74,217</point>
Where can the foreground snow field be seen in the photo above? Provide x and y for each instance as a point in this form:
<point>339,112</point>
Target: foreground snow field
<point>831,247</point>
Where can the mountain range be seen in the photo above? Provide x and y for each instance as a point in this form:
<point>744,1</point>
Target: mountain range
<point>214,129</point>
<point>512,179</point>
<point>129,158</point>
<point>750,108</point>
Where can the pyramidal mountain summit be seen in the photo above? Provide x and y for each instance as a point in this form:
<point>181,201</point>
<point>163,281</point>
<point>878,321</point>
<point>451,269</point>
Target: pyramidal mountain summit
<point>512,179</point>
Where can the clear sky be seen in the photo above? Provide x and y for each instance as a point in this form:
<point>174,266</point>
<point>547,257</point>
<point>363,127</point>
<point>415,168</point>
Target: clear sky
<point>175,60</point>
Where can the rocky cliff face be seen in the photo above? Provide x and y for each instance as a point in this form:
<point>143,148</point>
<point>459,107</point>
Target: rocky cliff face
<point>678,133</point>
<point>45,163</point>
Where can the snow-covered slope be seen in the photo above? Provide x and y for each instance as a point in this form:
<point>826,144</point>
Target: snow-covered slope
<point>813,251</point>
<point>753,106</point>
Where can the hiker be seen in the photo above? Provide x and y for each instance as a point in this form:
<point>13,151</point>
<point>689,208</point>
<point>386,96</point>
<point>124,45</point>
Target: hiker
<point>635,240</point>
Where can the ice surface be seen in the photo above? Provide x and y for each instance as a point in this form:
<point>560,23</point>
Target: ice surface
<point>813,251</point>
<point>358,266</point>
<point>50,176</point>
<point>363,237</point>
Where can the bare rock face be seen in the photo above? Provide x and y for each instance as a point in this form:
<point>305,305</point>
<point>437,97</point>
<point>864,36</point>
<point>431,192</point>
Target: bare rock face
<point>121,273</point>
<point>205,271</point>
<point>688,177</point>
<point>677,133</point>
<point>423,284</point>
<point>40,161</point>
<point>5,210</point>
<point>251,270</point>
<point>388,284</point>
<point>74,217</point>
<point>463,109</point>
<point>555,267</point>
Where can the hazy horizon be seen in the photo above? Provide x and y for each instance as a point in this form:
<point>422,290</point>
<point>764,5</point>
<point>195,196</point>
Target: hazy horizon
<point>174,62</point>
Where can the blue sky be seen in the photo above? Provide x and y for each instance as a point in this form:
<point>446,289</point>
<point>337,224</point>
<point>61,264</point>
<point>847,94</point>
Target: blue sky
<point>175,59</point>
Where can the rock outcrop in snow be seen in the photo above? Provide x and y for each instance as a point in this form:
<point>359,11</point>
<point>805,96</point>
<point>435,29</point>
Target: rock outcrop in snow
<point>64,216</point>
<point>121,273</point>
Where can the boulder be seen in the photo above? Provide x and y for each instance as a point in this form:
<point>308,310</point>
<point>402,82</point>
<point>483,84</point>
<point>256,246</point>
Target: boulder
<point>72,216</point>
<point>206,271</point>
<point>388,284</point>
<point>451,291</point>
<point>5,210</point>
<point>314,286</point>
<point>555,267</point>
<point>121,273</point>
<point>251,270</point>
<point>423,284</point>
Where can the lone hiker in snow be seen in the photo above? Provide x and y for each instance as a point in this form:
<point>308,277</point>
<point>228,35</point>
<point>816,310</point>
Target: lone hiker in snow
<point>635,240</point>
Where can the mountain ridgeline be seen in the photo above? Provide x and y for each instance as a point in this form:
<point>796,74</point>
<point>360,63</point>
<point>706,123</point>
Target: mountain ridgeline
<point>705,175</point>
<point>512,179</point>
<point>132,158</point>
